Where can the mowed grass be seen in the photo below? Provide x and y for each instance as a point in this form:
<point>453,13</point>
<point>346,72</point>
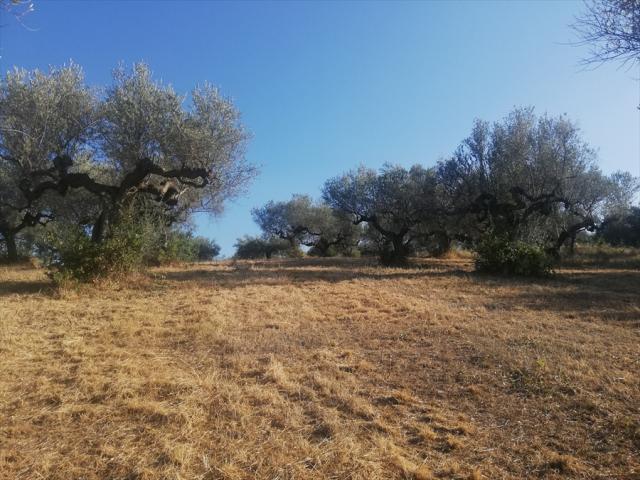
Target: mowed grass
<point>315,369</point>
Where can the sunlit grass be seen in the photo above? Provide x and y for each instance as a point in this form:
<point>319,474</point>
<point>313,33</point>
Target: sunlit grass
<point>319,368</point>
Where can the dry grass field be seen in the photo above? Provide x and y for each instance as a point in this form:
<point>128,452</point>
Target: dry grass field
<point>314,369</point>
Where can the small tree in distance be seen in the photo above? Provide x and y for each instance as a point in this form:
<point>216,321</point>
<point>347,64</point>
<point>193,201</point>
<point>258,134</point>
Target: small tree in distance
<point>261,247</point>
<point>301,221</point>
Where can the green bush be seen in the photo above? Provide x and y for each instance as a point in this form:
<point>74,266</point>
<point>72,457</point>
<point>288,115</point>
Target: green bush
<point>207,249</point>
<point>179,247</point>
<point>498,255</point>
<point>68,252</point>
<point>623,230</point>
<point>182,246</point>
<point>259,247</point>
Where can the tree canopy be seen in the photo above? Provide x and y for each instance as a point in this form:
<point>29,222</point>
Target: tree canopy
<point>526,178</point>
<point>301,221</point>
<point>130,143</point>
<point>400,205</point>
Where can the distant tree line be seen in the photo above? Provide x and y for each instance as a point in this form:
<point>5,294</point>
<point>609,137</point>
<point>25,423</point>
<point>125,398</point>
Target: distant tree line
<point>113,173</point>
<point>516,192</point>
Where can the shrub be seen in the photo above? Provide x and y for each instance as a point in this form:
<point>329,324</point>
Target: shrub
<point>182,246</point>
<point>68,252</point>
<point>622,231</point>
<point>257,247</point>
<point>178,247</point>
<point>207,249</point>
<point>322,252</point>
<point>499,255</point>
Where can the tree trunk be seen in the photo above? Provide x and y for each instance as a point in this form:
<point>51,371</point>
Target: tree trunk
<point>572,244</point>
<point>397,254</point>
<point>568,234</point>
<point>12,248</point>
<point>443,244</point>
<point>97,233</point>
<point>323,247</point>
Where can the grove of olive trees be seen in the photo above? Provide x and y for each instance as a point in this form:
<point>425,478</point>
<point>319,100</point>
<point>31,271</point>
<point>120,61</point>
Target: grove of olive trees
<point>96,180</point>
<point>515,191</point>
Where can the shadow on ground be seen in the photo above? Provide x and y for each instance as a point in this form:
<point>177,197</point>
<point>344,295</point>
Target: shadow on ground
<point>602,294</point>
<point>24,287</point>
<point>307,271</point>
<point>598,294</point>
<point>606,293</point>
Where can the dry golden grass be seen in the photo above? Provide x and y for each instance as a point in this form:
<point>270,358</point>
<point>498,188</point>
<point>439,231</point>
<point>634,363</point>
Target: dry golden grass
<point>321,369</point>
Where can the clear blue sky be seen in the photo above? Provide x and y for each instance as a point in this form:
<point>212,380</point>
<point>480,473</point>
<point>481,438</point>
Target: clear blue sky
<point>326,86</point>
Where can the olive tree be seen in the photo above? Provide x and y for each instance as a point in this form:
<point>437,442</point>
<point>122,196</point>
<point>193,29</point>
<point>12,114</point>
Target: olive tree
<point>132,143</point>
<point>152,146</point>
<point>525,178</point>
<point>295,220</point>
<point>400,205</point>
<point>337,234</point>
<point>301,221</point>
<point>44,117</point>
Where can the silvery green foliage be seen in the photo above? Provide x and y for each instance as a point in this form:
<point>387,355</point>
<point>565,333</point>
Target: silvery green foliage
<point>295,220</point>
<point>42,115</point>
<point>400,205</point>
<point>142,118</point>
<point>527,178</point>
<point>135,139</point>
<point>303,221</point>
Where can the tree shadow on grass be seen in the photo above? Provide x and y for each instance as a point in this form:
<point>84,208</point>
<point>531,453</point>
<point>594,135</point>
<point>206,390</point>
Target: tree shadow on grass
<point>33,287</point>
<point>279,272</point>
<point>604,295</point>
<point>591,294</point>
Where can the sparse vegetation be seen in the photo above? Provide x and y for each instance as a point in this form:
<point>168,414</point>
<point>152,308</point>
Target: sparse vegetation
<point>117,177</point>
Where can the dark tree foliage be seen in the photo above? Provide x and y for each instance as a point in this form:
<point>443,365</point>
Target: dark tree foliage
<point>261,247</point>
<point>399,205</point>
<point>207,249</point>
<point>337,235</point>
<point>182,246</point>
<point>622,230</point>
